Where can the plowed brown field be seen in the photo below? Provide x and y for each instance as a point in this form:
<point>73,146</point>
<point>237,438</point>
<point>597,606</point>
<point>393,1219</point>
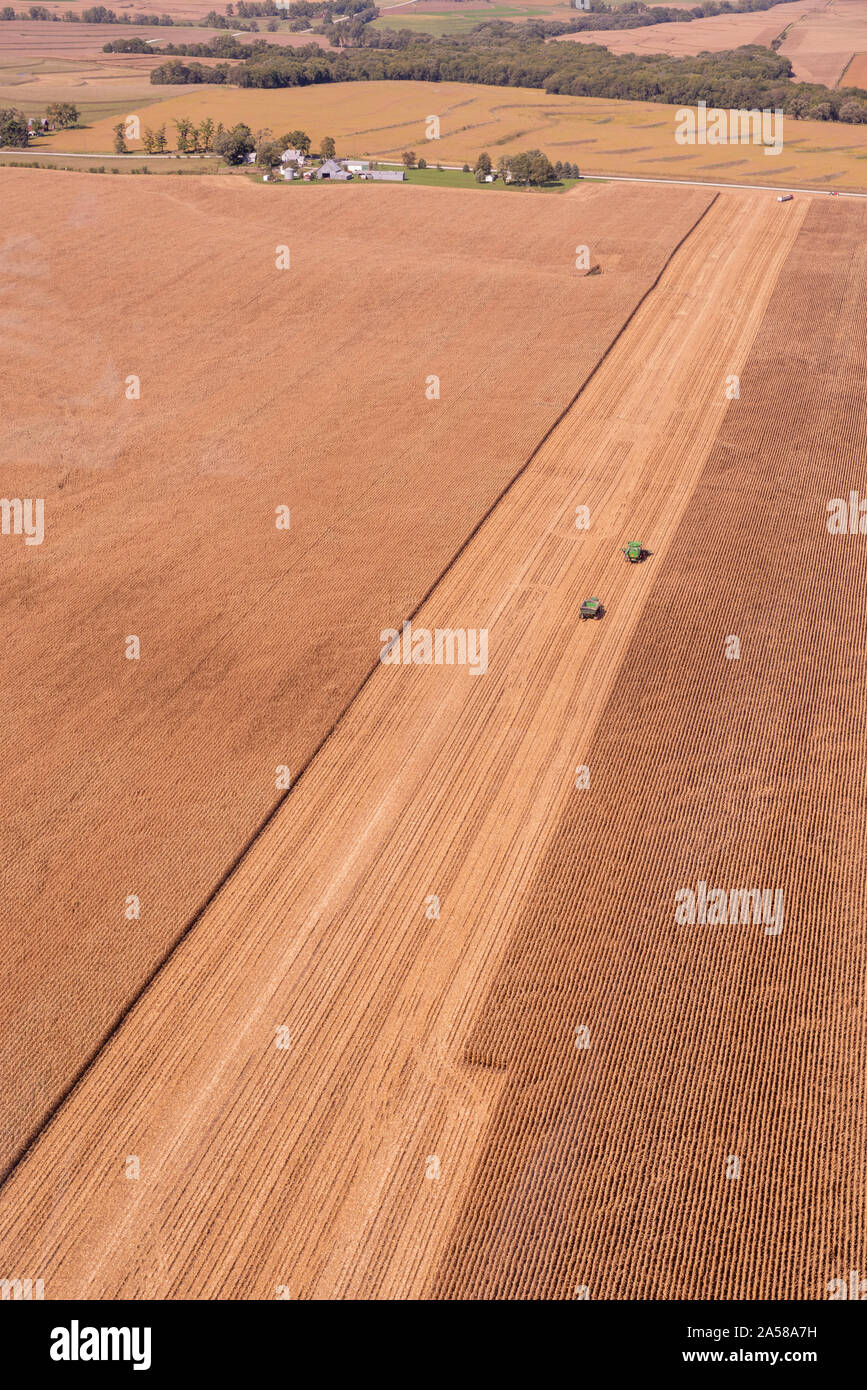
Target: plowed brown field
<point>259,388</point>
<point>856,73</point>
<point>822,43</point>
<point>306,1165</point>
<point>700,35</point>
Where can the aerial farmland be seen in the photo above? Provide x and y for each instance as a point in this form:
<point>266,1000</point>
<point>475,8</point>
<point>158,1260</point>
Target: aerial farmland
<point>432,573</point>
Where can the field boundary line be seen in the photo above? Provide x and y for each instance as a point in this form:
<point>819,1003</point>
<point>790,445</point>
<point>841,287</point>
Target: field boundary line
<point>107,1037</point>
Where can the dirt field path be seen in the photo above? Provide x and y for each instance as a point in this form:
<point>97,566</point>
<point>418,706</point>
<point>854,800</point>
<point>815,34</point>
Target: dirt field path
<point>337,1164</point>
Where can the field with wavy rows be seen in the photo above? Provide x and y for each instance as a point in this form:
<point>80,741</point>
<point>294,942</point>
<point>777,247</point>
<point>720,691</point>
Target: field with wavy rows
<point>358,1074</point>
<point>382,119</point>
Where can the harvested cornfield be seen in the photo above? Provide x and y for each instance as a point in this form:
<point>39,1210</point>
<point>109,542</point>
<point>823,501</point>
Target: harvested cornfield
<point>706,1137</point>
<point>372,374</point>
<point>358,1074</point>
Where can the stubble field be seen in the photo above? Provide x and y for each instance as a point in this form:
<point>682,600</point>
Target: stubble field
<point>612,1167</point>
<point>260,387</point>
<point>430,1127</point>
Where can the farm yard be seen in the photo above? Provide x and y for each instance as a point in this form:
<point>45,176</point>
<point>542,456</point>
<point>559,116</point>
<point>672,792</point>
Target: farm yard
<point>381,119</point>
<point>420,915</point>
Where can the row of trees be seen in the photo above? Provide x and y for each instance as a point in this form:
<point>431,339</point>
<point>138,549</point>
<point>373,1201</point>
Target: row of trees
<point>747,78</point>
<point>636,15</point>
<point>236,144</point>
<point>190,139</point>
<point>98,14</point>
<point>318,15</point>
<point>233,146</point>
<point>531,167</point>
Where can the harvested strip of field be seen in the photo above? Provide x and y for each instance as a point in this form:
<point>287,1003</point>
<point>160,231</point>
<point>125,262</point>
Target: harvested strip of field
<point>821,44</point>
<point>253,388</point>
<point>710,1141</point>
<point>306,1164</point>
<point>855,74</point>
<point>382,119</point>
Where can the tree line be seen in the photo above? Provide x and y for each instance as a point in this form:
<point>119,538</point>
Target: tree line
<point>301,14</point>
<point>746,78</point>
<point>232,146</point>
<point>636,15</point>
<point>98,14</point>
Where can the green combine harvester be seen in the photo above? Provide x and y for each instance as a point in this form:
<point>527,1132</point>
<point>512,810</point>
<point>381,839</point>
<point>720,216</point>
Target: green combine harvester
<point>591,608</point>
<point>634,552</point>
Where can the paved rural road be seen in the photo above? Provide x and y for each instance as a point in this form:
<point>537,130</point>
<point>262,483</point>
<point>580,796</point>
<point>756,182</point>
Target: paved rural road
<point>610,178</point>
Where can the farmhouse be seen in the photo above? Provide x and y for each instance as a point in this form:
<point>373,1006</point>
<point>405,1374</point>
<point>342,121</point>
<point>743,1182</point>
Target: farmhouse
<point>293,157</point>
